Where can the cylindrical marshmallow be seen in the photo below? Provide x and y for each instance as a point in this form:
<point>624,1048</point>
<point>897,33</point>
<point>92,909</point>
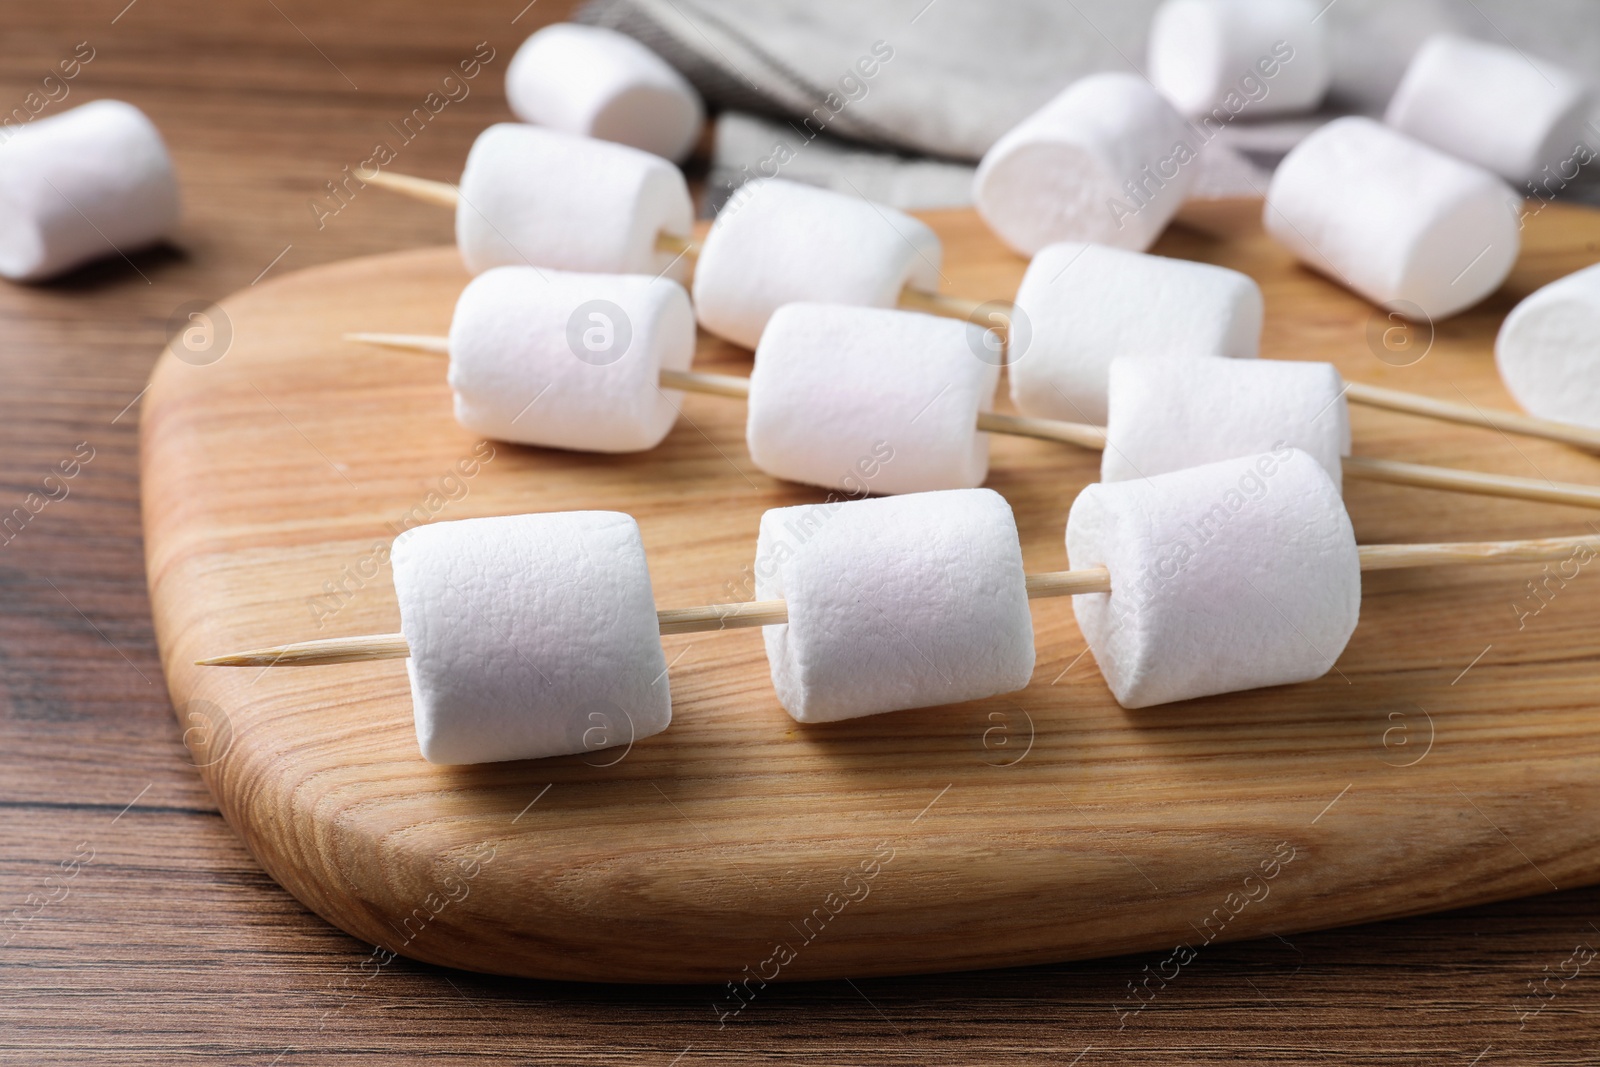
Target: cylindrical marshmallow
<point>896,603</point>
<point>530,635</point>
<point>1170,413</point>
<point>869,400</point>
<point>1239,57</point>
<point>596,82</point>
<point>569,360</point>
<point>1400,223</point>
<point>1490,105</point>
<point>1230,576</point>
<point>779,242</point>
<point>535,197</point>
<point>1548,350</point>
<point>1107,161</point>
<point>1085,305</point>
<point>88,183</point>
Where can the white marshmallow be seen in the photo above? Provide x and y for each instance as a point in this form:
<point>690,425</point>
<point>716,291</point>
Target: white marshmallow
<point>1493,106</point>
<point>569,360</point>
<point>1088,304</point>
<point>899,603</point>
<point>1230,576</point>
<point>1548,350</point>
<point>1202,52</point>
<point>1108,161</point>
<point>596,82</point>
<point>530,635</point>
<point>1396,221</point>
<point>531,196</point>
<point>1170,413</point>
<point>85,184</point>
<point>870,400</point>
<point>779,242</point>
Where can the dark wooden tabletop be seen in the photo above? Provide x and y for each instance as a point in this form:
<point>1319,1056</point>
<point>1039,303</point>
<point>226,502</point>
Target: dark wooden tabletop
<point>141,929</point>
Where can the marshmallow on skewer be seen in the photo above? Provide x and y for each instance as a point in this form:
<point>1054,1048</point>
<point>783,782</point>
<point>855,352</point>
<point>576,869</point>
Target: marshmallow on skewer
<point>1230,576</point>
<point>530,636</point>
<point>897,603</point>
<point>1204,51</point>
<point>1548,350</point>
<point>1108,161</point>
<point>596,82</point>
<point>568,360</point>
<point>778,242</point>
<point>1490,105</point>
<point>1085,305</point>
<point>532,196</point>
<point>82,185</point>
<point>870,400</point>
<point>1400,223</point>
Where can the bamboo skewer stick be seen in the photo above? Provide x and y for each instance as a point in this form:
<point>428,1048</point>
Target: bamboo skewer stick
<point>711,617</point>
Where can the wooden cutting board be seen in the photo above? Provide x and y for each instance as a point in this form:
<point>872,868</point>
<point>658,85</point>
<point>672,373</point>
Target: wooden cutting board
<point>1452,757</point>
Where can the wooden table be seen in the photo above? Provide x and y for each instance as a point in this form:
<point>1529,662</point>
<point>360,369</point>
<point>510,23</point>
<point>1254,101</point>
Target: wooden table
<point>152,932</point>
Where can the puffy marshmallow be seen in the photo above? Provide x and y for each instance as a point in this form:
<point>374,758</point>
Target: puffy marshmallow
<point>85,184</point>
<point>1548,350</point>
<point>1493,106</point>
<point>569,360</point>
<point>600,83</point>
<point>1230,576</point>
<point>530,635</point>
<point>1088,304</point>
<point>1106,161</point>
<point>779,242</point>
<point>897,603</point>
<point>870,400</point>
<point>1392,219</point>
<point>1169,413</point>
<point>1269,56</point>
<point>537,197</point>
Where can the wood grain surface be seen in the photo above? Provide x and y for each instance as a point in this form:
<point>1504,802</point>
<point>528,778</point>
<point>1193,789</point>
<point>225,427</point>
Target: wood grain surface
<point>169,941</point>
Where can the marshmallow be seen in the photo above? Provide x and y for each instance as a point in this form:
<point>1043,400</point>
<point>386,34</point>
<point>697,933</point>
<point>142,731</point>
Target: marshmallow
<point>1205,54</point>
<point>530,635</point>
<point>899,603</point>
<point>1169,413</point>
<point>1105,161</point>
<point>1230,576</point>
<point>88,183</point>
<point>870,400</point>
<point>1493,106</point>
<point>569,360</point>
<point>778,242</point>
<point>531,196</point>
<point>1392,219</point>
<point>596,82</point>
<point>1548,350</point>
<point>1086,305</point>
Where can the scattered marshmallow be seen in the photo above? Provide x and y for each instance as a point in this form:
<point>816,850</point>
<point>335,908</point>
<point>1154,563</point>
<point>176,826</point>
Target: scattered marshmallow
<point>530,635</point>
<point>1107,161</point>
<point>779,242</point>
<point>569,360</point>
<point>1267,57</point>
<point>1230,576</point>
<point>91,182</point>
<point>1490,105</point>
<point>870,400</point>
<point>1398,222</point>
<point>1169,413</point>
<point>596,82</point>
<point>898,603</point>
<point>535,197</point>
<point>1548,350</point>
<point>1085,305</point>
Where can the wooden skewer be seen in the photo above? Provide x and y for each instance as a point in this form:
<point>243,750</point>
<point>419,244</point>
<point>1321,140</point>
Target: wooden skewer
<point>775,612</point>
